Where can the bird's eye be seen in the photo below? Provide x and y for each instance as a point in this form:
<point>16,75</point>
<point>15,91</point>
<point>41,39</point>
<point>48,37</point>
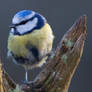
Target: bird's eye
<point>23,22</point>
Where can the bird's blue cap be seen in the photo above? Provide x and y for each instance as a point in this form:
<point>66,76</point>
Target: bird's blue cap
<point>24,13</point>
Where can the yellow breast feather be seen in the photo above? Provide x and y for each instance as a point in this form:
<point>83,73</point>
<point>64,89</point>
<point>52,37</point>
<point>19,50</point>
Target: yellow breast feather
<point>38,38</point>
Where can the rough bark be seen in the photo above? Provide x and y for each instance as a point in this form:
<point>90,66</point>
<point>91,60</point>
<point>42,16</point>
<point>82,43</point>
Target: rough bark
<point>59,70</point>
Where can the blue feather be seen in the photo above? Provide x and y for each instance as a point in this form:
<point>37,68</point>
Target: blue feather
<point>24,13</point>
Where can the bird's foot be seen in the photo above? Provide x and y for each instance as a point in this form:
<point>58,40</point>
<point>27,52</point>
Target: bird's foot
<point>28,82</point>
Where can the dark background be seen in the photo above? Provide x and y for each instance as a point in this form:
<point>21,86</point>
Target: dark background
<point>60,14</point>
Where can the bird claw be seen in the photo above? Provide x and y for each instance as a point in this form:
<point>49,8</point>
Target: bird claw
<point>29,82</point>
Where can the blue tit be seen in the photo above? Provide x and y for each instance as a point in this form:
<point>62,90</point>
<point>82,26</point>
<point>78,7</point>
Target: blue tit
<point>30,40</point>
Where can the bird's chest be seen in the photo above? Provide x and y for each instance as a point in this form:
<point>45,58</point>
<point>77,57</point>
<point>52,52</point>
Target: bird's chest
<point>24,45</point>
<point>17,46</point>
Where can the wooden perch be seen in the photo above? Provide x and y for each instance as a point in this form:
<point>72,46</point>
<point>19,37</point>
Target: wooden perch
<point>58,71</point>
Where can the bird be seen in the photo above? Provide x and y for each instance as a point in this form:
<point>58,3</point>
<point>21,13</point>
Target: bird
<point>30,40</point>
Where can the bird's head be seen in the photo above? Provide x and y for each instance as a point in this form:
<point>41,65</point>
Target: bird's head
<point>26,21</point>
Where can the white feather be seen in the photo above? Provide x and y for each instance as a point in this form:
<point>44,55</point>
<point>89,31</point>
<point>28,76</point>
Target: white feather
<point>27,27</point>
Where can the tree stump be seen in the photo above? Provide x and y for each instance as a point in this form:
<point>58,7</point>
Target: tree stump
<point>60,67</point>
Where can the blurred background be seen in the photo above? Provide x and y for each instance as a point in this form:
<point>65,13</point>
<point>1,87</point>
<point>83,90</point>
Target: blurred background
<point>60,14</point>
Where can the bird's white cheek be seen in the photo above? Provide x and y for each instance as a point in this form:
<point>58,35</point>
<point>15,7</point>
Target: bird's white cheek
<point>12,30</point>
<point>28,26</point>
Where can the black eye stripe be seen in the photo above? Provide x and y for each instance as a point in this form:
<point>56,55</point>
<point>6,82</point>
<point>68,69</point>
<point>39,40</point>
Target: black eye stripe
<point>25,21</point>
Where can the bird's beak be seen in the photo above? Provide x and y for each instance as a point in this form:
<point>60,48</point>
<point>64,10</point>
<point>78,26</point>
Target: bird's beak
<point>12,26</point>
